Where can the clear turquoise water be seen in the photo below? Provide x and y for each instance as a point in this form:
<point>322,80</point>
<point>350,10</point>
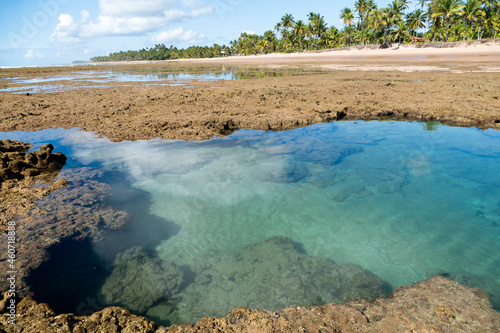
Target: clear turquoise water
<point>404,201</point>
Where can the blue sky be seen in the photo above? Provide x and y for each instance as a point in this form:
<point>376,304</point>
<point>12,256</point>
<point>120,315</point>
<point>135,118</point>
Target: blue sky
<point>52,32</point>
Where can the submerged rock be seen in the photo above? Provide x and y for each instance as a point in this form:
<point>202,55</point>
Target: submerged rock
<point>77,210</point>
<point>271,275</point>
<point>139,280</point>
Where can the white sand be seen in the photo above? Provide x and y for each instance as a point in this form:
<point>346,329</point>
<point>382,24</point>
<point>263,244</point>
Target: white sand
<point>475,57</point>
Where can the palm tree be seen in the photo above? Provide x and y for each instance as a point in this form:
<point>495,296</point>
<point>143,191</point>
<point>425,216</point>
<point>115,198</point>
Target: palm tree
<point>285,24</point>
<point>401,31</point>
<point>416,20</point>
<point>471,12</point>
<point>423,3</point>
<point>317,25</point>
<point>270,38</point>
<point>491,21</point>
<point>331,37</point>
<point>446,9</point>
<point>348,17</point>
<point>361,7</point>
<point>376,20</point>
<point>396,9</point>
<point>299,31</point>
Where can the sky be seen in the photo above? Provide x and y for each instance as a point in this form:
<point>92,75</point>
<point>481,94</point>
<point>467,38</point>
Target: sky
<point>58,32</point>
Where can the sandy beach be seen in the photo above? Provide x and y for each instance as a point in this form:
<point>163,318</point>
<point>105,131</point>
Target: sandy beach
<point>457,57</point>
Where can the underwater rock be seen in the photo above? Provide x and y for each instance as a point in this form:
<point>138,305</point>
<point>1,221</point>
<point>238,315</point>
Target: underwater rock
<point>327,154</point>
<point>77,210</point>
<point>271,275</point>
<point>291,173</point>
<point>138,280</point>
<point>359,183</point>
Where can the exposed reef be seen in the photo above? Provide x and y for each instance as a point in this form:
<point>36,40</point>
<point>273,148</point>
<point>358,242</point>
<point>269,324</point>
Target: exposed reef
<point>19,171</point>
<point>282,103</point>
<point>16,164</point>
<point>435,305</point>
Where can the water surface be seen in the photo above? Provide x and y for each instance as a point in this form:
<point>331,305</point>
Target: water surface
<point>269,219</point>
<point>153,76</point>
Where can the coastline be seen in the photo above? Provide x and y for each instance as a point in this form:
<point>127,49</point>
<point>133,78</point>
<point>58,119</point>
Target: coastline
<point>440,53</point>
<point>379,85</point>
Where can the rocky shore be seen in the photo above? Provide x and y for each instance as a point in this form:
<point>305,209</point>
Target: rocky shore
<point>219,108</point>
<point>208,109</point>
<point>73,207</point>
<point>434,305</point>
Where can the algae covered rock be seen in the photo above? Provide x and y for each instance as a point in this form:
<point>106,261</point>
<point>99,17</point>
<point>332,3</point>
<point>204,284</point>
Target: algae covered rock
<point>139,280</point>
<point>270,275</point>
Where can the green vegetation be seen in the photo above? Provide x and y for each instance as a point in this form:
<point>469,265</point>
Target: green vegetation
<point>431,21</point>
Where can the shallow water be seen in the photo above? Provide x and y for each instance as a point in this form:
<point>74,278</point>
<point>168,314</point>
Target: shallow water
<point>92,79</point>
<point>404,201</point>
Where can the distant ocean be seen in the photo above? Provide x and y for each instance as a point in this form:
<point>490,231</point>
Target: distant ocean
<point>59,65</point>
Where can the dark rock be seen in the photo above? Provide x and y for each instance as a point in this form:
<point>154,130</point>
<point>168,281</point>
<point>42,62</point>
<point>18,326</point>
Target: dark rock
<point>73,208</point>
<point>139,280</point>
<point>16,164</point>
<point>271,275</point>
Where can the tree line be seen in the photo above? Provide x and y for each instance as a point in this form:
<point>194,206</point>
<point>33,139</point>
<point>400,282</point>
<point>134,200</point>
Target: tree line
<point>430,21</point>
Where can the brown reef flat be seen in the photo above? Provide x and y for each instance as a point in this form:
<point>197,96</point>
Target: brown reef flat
<point>280,103</point>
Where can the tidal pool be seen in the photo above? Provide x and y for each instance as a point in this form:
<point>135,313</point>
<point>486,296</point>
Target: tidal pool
<point>159,76</point>
<point>319,214</point>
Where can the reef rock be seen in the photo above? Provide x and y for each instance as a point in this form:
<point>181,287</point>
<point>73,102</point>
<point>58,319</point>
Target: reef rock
<point>435,305</point>
<point>16,164</point>
<point>19,171</point>
<point>271,275</point>
<point>490,286</point>
<point>139,280</point>
<point>77,210</point>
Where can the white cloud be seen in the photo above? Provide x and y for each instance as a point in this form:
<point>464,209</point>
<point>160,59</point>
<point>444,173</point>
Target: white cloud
<point>250,32</point>
<point>128,17</point>
<point>66,32</point>
<point>65,20</point>
<point>178,35</point>
<point>192,3</point>
<point>85,16</point>
<point>202,11</point>
<point>175,15</point>
<point>120,26</point>
<point>134,8</point>
<point>33,54</point>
